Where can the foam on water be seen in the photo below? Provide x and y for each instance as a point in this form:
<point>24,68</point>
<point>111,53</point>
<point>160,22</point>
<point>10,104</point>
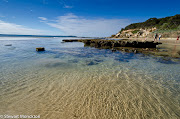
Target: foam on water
<point>69,80</point>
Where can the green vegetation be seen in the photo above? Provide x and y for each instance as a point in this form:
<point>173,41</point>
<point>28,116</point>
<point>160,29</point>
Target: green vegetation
<point>167,23</point>
<point>135,31</point>
<point>113,35</point>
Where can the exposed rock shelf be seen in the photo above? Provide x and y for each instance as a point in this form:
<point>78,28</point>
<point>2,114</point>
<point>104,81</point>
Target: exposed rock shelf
<point>99,43</point>
<point>147,47</point>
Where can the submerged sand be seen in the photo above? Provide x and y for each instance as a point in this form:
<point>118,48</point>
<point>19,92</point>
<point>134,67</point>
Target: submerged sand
<point>89,94</point>
<point>74,82</point>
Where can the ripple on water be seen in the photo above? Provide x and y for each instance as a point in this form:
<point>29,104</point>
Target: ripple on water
<point>87,83</point>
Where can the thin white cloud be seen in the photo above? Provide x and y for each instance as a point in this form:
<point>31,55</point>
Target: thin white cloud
<point>11,28</point>
<point>64,3</point>
<point>42,18</point>
<point>67,6</point>
<point>71,24</point>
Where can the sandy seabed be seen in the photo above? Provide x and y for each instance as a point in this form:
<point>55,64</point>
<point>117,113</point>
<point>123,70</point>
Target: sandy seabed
<point>87,93</point>
<point>69,81</point>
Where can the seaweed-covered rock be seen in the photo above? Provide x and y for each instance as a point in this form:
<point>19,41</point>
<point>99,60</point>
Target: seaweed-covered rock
<point>40,49</point>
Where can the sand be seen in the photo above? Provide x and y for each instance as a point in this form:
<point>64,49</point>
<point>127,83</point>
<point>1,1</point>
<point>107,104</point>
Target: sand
<point>88,94</point>
<point>55,86</point>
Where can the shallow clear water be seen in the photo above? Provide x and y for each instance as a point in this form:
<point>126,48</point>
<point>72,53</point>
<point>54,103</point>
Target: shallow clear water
<point>69,80</point>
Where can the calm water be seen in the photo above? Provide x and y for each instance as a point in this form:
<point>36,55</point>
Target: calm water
<point>69,80</point>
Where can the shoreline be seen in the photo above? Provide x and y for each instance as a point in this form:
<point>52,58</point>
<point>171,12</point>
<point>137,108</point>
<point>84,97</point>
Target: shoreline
<point>165,48</point>
<point>69,80</point>
<point>151,39</point>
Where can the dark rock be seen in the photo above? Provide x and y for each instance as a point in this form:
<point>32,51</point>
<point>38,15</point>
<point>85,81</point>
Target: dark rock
<point>40,49</point>
<point>91,63</point>
<point>126,50</point>
<point>178,52</point>
<point>98,60</point>
<point>8,45</point>
<point>124,45</point>
<point>98,43</point>
<point>113,50</point>
<point>70,40</point>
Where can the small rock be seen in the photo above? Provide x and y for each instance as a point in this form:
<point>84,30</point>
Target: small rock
<point>40,49</point>
<point>126,50</point>
<point>8,45</point>
<point>91,63</point>
<point>113,50</point>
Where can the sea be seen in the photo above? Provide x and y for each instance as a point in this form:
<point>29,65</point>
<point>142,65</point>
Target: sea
<point>70,81</point>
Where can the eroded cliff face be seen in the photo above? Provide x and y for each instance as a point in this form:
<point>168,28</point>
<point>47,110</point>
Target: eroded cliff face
<point>135,33</point>
<point>146,33</point>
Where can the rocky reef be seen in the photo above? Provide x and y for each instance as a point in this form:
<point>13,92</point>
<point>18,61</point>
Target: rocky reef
<point>146,47</point>
<point>120,43</point>
<point>100,43</point>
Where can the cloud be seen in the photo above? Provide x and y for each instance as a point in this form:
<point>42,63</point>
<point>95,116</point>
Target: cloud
<point>67,6</point>
<point>65,3</point>
<point>42,18</point>
<point>71,24</point>
<point>11,28</point>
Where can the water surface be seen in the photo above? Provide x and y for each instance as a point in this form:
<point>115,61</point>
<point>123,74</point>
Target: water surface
<point>69,80</point>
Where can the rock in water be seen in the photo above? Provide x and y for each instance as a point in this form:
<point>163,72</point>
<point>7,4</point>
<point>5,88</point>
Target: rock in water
<point>40,49</point>
<point>8,45</point>
<point>113,50</point>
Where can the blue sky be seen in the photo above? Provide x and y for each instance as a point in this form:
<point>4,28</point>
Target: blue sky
<point>79,17</point>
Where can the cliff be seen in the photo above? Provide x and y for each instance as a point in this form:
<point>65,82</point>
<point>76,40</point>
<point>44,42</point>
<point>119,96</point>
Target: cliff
<point>167,27</point>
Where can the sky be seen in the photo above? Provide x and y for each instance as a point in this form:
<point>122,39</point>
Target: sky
<point>94,18</point>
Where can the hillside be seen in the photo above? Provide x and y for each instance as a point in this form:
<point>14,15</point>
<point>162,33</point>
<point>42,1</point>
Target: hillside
<point>168,27</point>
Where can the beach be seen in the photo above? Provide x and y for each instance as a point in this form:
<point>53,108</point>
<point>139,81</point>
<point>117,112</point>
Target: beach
<point>71,81</point>
<point>169,47</point>
<point>89,59</point>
